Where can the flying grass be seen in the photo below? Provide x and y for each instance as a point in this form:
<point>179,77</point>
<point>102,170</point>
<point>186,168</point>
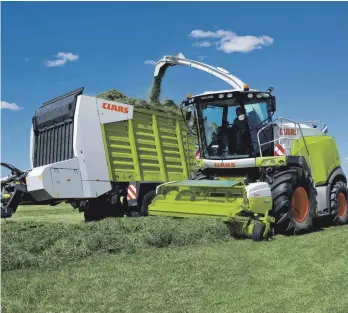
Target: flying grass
<point>157,83</point>
<point>168,106</point>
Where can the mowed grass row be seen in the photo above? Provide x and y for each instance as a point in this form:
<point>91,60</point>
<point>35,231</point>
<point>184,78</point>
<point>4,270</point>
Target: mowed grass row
<point>26,243</point>
<point>62,213</point>
<point>296,274</point>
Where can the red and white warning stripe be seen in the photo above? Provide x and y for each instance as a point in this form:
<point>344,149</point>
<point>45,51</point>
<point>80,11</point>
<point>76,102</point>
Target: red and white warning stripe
<point>132,192</point>
<point>279,150</point>
<point>197,154</point>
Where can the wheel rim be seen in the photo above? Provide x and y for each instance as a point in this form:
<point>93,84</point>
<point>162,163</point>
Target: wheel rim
<point>342,205</point>
<point>300,204</point>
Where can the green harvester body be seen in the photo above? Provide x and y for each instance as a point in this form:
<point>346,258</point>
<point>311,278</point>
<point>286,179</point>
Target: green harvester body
<point>227,195</point>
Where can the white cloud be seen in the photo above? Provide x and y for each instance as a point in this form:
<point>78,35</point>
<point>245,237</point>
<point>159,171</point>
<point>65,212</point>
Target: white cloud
<point>10,106</point>
<point>62,59</point>
<point>345,160</point>
<point>228,41</point>
<point>198,33</point>
<point>150,62</point>
<point>203,44</point>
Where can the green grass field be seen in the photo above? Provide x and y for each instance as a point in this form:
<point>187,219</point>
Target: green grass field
<point>198,269</point>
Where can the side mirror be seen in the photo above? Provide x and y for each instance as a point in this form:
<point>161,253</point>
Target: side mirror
<point>188,115</point>
<point>271,105</point>
<point>325,129</point>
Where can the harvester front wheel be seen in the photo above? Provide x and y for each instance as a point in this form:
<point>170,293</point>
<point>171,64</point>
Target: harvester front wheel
<point>258,232</point>
<point>294,200</point>
<point>338,202</point>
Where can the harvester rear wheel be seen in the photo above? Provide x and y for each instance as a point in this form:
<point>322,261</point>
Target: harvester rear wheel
<point>338,202</point>
<point>294,200</point>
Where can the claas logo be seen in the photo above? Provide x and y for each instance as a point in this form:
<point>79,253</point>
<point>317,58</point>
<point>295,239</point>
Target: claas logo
<point>287,131</point>
<point>114,107</point>
<point>225,165</point>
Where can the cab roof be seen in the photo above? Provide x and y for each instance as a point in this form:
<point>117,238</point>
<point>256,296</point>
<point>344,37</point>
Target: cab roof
<point>224,91</point>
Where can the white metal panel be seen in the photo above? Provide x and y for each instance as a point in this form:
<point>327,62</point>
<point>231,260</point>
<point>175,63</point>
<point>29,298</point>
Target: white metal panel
<point>39,183</point>
<point>223,91</point>
<point>283,136</point>
<point>323,198</point>
<point>31,152</point>
<point>238,163</point>
<point>89,147</point>
<point>39,180</point>
<point>286,133</point>
<point>111,111</point>
<point>309,132</point>
<point>71,164</point>
<point>257,190</point>
<point>66,183</point>
<point>93,189</point>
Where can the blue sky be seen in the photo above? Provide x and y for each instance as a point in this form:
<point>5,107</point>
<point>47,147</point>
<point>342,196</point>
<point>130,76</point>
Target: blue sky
<point>301,49</point>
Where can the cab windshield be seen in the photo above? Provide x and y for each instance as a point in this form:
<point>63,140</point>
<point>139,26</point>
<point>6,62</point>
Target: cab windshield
<point>229,130</point>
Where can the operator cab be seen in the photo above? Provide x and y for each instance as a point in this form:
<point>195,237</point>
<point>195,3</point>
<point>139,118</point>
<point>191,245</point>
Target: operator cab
<point>227,122</point>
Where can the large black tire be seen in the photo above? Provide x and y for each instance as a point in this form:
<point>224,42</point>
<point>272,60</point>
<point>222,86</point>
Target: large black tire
<point>100,208</point>
<point>146,202</point>
<point>90,211</point>
<point>258,232</point>
<point>5,214</point>
<point>294,200</point>
<point>338,202</point>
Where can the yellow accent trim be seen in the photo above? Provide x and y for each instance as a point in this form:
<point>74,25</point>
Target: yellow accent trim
<point>181,148</point>
<point>106,148</point>
<point>134,150</point>
<point>159,148</point>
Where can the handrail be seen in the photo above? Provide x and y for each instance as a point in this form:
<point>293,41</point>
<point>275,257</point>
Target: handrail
<point>297,126</point>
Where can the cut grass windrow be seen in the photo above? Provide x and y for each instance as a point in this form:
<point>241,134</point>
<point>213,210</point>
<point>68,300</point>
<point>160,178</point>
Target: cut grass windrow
<point>33,244</point>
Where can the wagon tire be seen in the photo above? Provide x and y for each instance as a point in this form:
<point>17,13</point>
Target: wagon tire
<point>147,201</point>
